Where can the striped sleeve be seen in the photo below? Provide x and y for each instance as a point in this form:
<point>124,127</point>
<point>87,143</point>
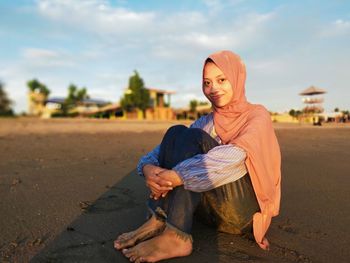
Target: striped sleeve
<point>221,165</point>
<point>149,158</point>
<point>204,123</point>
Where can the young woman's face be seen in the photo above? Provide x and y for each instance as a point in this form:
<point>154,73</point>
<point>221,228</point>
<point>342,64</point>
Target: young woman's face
<point>216,86</point>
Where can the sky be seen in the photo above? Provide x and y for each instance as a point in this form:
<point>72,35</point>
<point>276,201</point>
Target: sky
<point>287,46</point>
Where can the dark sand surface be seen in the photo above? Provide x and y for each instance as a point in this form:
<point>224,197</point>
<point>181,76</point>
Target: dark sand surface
<point>68,188</point>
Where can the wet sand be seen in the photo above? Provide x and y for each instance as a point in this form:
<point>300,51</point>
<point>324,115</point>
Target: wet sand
<point>68,188</point>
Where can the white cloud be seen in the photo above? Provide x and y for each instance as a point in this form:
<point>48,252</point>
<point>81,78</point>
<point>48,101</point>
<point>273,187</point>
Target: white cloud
<point>35,53</point>
<point>96,44</point>
<point>43,58</point>
<point>215,6</point>
<point>177,42</point>
<point>342,25</point>
<point>190,30</point>
<point>337,28</point>
<point>95,15</point>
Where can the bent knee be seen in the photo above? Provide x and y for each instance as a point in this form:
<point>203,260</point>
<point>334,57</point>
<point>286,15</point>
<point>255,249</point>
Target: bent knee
<point>175,130</point>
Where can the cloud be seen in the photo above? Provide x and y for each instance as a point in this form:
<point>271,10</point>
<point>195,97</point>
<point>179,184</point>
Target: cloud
<point>35,53</point>
<point>126,28</point>
<point>215,6</point>
<point>337,28</point>
<point>95,15</point>
<point>176,41</point>
<point>97,44</point>
<point>45,58</point>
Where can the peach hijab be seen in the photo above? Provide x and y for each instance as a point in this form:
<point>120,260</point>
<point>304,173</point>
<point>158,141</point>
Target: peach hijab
<point>249,127</point>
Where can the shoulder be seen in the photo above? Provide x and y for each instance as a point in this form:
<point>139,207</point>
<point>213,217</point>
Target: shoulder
<point>203,121</point>
<point>258,118</point>
<point>259,112</point>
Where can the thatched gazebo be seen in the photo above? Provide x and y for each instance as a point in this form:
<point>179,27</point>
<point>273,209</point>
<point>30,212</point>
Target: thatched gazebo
<point>313,104</point>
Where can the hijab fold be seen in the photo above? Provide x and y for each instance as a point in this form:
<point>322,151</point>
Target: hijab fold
<point>249,127</point>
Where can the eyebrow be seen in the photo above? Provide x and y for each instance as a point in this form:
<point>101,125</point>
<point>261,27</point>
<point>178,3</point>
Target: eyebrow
<point>221,75</point>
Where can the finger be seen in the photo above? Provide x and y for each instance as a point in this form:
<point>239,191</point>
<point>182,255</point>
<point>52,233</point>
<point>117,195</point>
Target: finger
<point>156,197</point>
<point>162,182</point>
<point>156,186</point>
<point>158,171</point>
<point>159,180</point>
<point>156,192</point>
<point>163,179</point>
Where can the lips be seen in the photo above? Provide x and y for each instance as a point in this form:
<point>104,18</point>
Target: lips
<point>216,96</point>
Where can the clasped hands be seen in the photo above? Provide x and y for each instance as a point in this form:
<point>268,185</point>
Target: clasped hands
<point>160,181</point>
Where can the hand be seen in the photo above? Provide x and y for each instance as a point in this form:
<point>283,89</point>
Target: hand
<point>171,176</point>
<point>150,169</point>
<point>158,186</point>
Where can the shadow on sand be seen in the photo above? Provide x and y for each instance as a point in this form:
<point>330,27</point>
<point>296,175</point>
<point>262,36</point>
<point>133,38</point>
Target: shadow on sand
<point>89,238</point>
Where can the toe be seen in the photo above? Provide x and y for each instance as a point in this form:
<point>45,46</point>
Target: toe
<point>129,252</point>
<point>122,237</point>
<point>124,244</point>
<point>126,252</point>
<point>118,245</point>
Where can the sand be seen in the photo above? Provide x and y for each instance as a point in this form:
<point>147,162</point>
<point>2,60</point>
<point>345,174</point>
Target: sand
<point>69,187</point>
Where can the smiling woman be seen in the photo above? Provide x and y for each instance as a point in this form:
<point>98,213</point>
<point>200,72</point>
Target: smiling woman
<point>225,167</point>
<point>216,87</point>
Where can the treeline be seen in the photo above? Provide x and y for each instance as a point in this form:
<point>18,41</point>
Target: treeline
<point>74,94</point>
<point>5,103</point>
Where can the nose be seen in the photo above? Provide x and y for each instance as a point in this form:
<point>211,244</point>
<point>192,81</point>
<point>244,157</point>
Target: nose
<point>214,88</point>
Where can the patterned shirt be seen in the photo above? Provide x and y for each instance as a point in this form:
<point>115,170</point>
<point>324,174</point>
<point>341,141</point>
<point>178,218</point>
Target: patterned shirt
<point>221,165</point>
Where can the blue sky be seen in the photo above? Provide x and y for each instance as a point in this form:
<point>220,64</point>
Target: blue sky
<point>286,45</point>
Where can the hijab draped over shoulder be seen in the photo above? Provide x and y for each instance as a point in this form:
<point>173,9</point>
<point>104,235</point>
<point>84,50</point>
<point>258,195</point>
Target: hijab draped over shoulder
<point>249,127</point>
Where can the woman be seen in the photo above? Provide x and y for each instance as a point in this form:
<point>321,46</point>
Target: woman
<point>226,167</point>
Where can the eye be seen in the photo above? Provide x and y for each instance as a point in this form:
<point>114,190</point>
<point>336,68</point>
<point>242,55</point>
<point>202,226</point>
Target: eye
<point>222,80</point>
<point>206,83</point>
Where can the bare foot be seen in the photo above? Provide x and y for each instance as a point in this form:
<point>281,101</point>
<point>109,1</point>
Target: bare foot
<point>149,229</point>
<point>166,245</point>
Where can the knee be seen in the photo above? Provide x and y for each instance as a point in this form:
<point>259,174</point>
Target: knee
<point>175,130</point>
<point>194,135</point>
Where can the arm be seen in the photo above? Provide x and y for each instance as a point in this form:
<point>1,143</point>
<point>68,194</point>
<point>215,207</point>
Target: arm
<point>221,165</point>
<point>148,167</point>
<point>150,158</point>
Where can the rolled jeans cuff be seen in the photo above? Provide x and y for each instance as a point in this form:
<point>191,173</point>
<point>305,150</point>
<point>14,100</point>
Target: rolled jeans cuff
<point>160,214</point>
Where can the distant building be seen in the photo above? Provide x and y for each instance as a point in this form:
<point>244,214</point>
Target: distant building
<point>159,108</point>
<point>160,105</point>
<point>36,103</point>
<point>54,107</point>
<point>283,118</point>
<point>185,113</point>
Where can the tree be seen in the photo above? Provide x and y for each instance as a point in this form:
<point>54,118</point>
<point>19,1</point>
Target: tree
<point>136,96</point>
<point>5,102</point>
<point>294,113</point>
<point>336,110</point>
<point>35,86</point>
<point>193,105</point>
<point>75,95</point>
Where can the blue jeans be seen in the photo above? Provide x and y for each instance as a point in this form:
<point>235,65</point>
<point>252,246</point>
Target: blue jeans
<point>230,207</point>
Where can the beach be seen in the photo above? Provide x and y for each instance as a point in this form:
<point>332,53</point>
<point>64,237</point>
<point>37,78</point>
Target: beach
<point>68,187</point>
